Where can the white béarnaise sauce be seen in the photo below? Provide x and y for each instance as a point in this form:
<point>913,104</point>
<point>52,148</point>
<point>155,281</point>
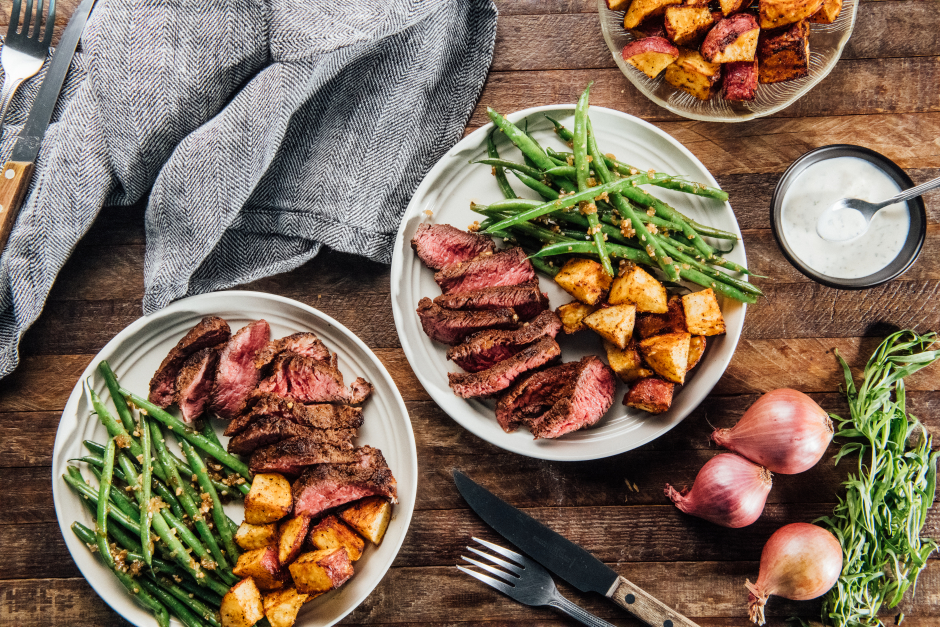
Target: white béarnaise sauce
<point>823,183</point>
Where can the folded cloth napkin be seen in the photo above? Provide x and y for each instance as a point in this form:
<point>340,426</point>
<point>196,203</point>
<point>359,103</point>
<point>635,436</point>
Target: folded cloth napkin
<point>264,128</point>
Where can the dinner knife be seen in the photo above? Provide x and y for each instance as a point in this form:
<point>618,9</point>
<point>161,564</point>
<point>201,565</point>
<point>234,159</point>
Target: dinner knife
<point>565,558</point>
<point>17,172</point>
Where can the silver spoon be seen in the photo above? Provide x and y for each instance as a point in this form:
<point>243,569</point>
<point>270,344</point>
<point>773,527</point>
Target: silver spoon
<point>830,230</point>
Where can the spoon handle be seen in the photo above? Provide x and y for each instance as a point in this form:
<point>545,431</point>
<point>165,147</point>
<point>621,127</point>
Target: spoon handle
<point>911,193</point>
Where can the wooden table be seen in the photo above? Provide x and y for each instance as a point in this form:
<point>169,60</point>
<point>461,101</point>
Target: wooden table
<point>883,94</point>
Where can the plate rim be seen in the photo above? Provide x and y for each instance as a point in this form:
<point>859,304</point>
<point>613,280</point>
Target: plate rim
<point>59,489</point>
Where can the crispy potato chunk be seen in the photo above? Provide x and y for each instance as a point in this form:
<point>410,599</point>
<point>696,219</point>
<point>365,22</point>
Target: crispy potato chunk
<point>585,279</point>
<point>652,395</point>
<point>637,286</point>
<point>281,607</point>
<point>692,73</point>
<point>332,533</point>
<point>827,13</point>
<point>686,25</point>
<point>778,13</point>
<point>650,55</point>
<point>261,565</point>
<point>696,350</point>
<point>573,314</point>
<point>618,5</point>
<point>641,9</point>
<point>370,517</point>
<point>732,6</point>
<point>614,323</point>
<point>268,500</point>
<point>733,39</point>
<point>783,54</point>
<point>251,537</point>
<point>673,321</point>
<point>241,606</point>
<point>740,82</point>
<point>291,541</point>
<point>702,313</point>
<point>320,571</point>
<point>650,27</point>
<point>627,362</point>
<point>667,355</point>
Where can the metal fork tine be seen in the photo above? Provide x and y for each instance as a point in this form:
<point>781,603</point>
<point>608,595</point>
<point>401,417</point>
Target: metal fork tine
<point>504,552</point>
<point>39,18</point>
<point>27,18</point>
<point>491,569</point>
<point>14,19</point>
<point>499,585</point>
<point>50,24</point>
<point>507,565</point>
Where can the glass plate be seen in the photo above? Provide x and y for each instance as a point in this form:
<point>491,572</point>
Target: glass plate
<point>826,42</point>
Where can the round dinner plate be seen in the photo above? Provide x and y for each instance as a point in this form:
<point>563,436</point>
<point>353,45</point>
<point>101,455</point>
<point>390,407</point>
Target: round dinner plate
<point>445,196</point>
<point>136,352</point>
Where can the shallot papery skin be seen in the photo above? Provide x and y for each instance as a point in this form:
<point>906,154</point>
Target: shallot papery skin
<point>729,491</point>
<point>785,431</point>
<point>799,562</point>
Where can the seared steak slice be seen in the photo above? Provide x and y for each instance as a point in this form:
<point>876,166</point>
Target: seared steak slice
<point>236,375</point>
<point>507,267</point>
<point>487,348</point>
<point>209,332</point>
<point>310,381</point>
<point>440,244</point>
<point>194,383</point>
<point>303,343</point>
<point>526,300</point>
<point>493,380</point>
<point>318,416</point>
<point>559,400</point>
<point>324,487</point>
<point>288,455</point>
<point>271,430</point>
<point>451,327</point>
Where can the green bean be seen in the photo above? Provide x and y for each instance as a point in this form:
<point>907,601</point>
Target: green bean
<point>91,495</point>
<point>545,191</point>
<point>115,429</point>
<point>104,502</point>
<point>202,477</point>
<point>203,611</point>
<point>242,486</point>
<point>582,172</point>
<point>145,486</point>
<point>205,557</point>
<point>498,170</point>
<point>529,147</point>
<point>110,379</point>
<point>158,486</point>
<point>117,496</point>
<point>178,609</point>
<point>510,165</point>
<point>744,286</point>
<point>203,593</point>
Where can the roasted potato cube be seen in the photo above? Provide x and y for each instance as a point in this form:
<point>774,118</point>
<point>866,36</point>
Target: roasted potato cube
<point>733,39</point>
<point>732,6</point>
<point>667,355</point>
<point>779,13</point>
<point>370,517</point>
<point>827,13</point>
<point>673,321</point>
<point>740,82</point>
<point>652,395</point>
<point>573,314</point>
<point>627,362</point>
<point>332,533</point>
<point>641,9</point>
<point>241,606</point>
<point>263,566</point>
<point>281,607</point>
<point>614,323</point>
<point>702,313</point>
<point>692,73</point>
<point>696,349</point>
<point>268,500</point>
<point>687,24</point>
<point>650,55</point>
<point>650,27</point>
<point>293,534</point>
<point>251,537</point>
<point>636,285</point>
<point>783,54</point>
<point>320,571</point>
<point>584,279</point>
<point>618,5</point>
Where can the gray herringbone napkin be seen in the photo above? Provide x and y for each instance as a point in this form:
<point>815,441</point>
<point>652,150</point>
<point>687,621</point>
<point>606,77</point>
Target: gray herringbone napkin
<point>265,129</point>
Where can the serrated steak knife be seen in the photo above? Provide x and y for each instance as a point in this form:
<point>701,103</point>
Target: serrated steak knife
<point>565,558</point>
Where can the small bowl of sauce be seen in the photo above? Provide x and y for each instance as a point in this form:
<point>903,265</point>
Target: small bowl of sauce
<point>814,183</point>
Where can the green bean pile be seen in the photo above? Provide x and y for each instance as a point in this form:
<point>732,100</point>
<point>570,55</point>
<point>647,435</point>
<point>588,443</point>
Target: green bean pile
<point>592,205</point>
<point>164,548</point>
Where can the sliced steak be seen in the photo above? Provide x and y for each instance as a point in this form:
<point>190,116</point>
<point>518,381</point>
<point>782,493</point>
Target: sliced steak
<point>507,267</point>
<point>559,400</point>
<point>194,383</point>
<point>210,331</point>
<point>451,327</point>
<point>289,455</point>
<point>303,343</point>
<point>324,487</point>
<point>440,244</point>
<point>318,416</point>
<point>526,300</point>
<point>235,374</point>
<point>310,381</point>
<point>271,430</point>
<point>487,348</point>
<point>494,380</point>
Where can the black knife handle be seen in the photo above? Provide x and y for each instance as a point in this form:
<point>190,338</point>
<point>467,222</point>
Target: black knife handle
<point>14,181</point>
<point>646,607</point>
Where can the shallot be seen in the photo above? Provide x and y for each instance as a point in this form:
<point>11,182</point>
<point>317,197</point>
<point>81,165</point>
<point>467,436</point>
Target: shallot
<point>785,431</point>
<point>728,490</point>
<point>799,562</point>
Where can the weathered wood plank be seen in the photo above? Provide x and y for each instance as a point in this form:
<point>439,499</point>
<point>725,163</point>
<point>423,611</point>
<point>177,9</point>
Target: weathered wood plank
<point>26,438</point>
<point>29,493</point>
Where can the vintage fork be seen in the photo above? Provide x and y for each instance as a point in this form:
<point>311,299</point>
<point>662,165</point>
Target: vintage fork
<point>526,582</point>
<point>24,51</point>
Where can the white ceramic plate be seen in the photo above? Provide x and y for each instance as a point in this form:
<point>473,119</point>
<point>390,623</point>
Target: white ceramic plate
<point>136,352</point>
<point>826,42</point>
<point>447,192</point>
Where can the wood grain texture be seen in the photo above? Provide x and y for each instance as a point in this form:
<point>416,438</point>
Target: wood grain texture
<point>14,180</point>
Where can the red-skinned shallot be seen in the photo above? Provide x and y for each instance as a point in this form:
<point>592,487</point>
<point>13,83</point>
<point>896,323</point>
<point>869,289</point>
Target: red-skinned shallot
<point>799,562</point>
<point>785,431</point>
<point>728,490</point>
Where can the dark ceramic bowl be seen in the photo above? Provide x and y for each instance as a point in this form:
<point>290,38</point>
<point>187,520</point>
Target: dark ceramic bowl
<point>915,237</point>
